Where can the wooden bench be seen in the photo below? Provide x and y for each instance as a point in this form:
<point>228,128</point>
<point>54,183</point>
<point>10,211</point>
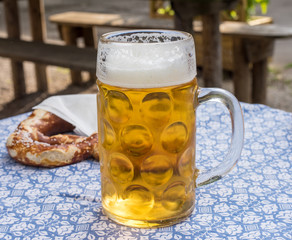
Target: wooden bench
<point>246,54</point>
<point>81,59</point>
<point>38,34</point>
<point>37,50</point>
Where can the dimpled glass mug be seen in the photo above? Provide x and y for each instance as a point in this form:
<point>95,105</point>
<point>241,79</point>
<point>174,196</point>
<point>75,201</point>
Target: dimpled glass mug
<point>147,97</point>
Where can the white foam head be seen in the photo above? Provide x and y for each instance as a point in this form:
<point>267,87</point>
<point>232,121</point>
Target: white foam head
<point>146,58</point>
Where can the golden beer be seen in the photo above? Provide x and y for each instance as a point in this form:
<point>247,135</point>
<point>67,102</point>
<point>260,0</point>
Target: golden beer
<point>147,96</point>
<point>147,154</point>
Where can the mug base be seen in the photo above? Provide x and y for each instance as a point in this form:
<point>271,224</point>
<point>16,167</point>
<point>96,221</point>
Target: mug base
<point>147,223</point>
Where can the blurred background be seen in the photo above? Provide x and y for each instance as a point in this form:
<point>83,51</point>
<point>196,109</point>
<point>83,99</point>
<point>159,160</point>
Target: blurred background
<point>279,92</point>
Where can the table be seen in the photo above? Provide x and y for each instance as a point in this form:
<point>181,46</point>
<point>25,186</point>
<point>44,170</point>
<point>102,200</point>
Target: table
<point>249,46</point>
<point>254,201</point>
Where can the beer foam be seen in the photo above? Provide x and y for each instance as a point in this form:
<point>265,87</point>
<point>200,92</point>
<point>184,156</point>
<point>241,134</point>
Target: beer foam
<point>146,60</point>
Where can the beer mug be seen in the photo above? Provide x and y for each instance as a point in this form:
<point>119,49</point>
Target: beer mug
<point>147,99</point>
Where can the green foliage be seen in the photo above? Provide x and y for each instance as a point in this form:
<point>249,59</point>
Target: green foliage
<point>165,9</point>
<point>252,4</point>
<point>288,66</point>
<point>251,7</point>
<point>278,76</point>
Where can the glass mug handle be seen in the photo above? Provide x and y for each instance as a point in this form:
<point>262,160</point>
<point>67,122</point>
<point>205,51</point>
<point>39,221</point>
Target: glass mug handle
<point>230,160</point>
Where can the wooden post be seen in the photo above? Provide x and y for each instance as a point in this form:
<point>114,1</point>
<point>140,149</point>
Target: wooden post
<point>259,50</point>
<point>241,10</point>
<point>241,74</point>
<point>183,18</point>
<point>70,37</point>
<point>90,40</point>
<point>259,84</point>
<point>212,53</point>
<point>13,31</point>
<point>38,32</point>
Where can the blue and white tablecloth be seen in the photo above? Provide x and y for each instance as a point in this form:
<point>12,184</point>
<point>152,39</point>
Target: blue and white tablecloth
<point>254,201</point>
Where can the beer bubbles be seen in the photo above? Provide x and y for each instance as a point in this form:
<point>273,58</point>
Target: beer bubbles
<point>125,62</point>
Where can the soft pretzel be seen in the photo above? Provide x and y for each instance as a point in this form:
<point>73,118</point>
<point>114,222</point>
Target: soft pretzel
<point>34,142</point>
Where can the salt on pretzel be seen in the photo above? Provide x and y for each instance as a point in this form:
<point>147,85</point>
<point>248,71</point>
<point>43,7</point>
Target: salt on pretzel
<point>34,142</point>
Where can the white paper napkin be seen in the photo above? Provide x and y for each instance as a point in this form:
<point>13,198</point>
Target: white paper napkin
<point>78,109</point>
